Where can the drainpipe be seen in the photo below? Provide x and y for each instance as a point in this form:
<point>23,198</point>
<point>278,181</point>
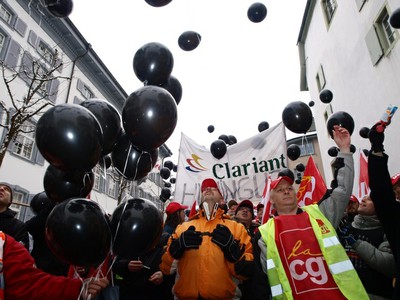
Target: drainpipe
<point>88,47</point>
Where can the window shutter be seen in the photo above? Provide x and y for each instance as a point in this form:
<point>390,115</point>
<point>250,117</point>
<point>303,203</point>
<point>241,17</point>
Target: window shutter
<point>53,90</point>
<point>20,27</point>
<point>80,85</point>
<point>32,38</point>
<point>26,67</point>
<point>12,55</point>
<point>374,46</point>
<point>39,157</point>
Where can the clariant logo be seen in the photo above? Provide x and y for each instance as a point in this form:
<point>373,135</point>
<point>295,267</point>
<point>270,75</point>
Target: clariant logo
<point>225,171</point>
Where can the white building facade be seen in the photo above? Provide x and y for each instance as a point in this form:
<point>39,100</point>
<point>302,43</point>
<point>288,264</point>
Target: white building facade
<point>28,32</point>
<point>349,47</point>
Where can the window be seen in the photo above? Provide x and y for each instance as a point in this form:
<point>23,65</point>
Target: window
<point>329,7</point>
<point>46,52</point>
<point>5,14</point>
<point>112,188</point>
<point>381,37</point>
<point>320,78</point>
<point>97,178</point>
<point>24,143</point>
<point>86,92</point>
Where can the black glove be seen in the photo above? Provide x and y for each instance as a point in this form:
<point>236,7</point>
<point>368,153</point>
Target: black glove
<point>189,239</point>
<point>223,237</point>
<point>376,137</point>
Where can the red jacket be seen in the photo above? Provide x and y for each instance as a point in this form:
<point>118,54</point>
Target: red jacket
<point>23,281</point>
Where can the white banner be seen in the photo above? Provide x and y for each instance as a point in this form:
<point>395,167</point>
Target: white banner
<point>240,174</point>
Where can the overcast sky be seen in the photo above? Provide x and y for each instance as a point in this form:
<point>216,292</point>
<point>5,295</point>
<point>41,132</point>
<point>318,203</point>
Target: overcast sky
<point>242,73</point>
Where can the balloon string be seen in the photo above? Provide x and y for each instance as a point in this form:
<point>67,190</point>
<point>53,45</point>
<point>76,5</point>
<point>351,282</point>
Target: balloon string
<point>126,160</point>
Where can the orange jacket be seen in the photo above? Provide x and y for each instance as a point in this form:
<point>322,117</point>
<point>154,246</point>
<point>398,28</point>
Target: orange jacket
<point>205,272</point>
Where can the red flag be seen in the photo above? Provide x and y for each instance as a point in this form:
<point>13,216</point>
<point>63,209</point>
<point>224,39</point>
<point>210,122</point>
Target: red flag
<point>265,201</point>
<point>193,210</point>
<point>363,183</point>
<point>312,187</point>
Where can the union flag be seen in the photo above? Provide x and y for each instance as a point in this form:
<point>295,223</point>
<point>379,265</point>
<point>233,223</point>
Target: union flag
<point>312,187</point>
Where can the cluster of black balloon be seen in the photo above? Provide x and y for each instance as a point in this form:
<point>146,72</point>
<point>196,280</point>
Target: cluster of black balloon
<point>165,173</point>
<point>334,151</point>
<point>257,12</point>
<point>218,148</point>
<point>59,8</point>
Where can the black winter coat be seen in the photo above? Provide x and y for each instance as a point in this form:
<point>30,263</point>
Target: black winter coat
<point>14,227</point>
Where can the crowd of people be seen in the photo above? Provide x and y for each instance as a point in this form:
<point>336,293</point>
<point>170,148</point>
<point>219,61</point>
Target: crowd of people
<point>340,248</point>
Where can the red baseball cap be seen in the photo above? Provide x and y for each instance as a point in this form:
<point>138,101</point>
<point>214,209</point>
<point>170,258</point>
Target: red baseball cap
<point>279,179</point>
<point>245,203</point>
<point>353,198</point>
<point>259,205</point>
<point>209,183</point>
<point>174,207</point>
<point>395,178</point>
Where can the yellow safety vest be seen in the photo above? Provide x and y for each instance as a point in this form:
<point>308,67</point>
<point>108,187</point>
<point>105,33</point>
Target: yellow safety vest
<point>341,268</point>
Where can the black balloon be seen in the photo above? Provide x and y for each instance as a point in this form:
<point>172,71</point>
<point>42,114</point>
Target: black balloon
<point>264,125</point>
<point>153,63</point>
<point>158,3</point>
<point>167,184</point>
<point>326,96</point>
<point>165,173</point>
<point>172,180</point>
<point>149,117</point>
<point>136,226</point>
<point>286,172</point>
<point>366,152</point>
<point>257,12</point>
<point>60,185</point>
<point>165,194</point>
<point>353,148</point>
<point>297,117</point>
<point>109,119</point>
<point>173,86</point>
<point>300,167</point>
<point>131,162</point>
<point>342,119</point>
<point>225,138</point>
<point>394,19</point>
<point>175,168</point>
<point>189,40</point>
<point>169,164</point>
<point>218,149</point>
<point>59,8</point>
<point>210,128</point>
<point>293,152</point>
<point>105,162</point>
<point>311,103</point>
<point>333,151</point>
<point>298,180</point>
<point>40,202</point>
<point>69,137</point>
<point>364,131</point>
<point>78,232</point>
<point>232,139</point>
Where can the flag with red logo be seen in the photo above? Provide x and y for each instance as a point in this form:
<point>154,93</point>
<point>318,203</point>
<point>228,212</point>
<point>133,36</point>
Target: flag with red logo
<point>312,187</point>
<point>363,182</point>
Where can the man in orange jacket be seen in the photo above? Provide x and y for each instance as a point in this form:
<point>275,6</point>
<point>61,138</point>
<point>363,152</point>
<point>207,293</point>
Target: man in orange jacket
<point>206,250</point>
